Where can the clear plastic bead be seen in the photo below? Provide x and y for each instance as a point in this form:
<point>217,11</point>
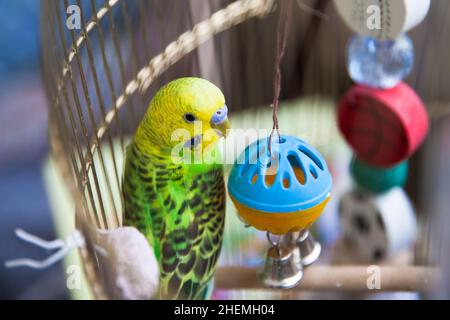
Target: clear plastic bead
<point>380,64</point>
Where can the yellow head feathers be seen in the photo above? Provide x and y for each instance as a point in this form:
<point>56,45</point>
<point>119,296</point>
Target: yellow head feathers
<point>187,111</point>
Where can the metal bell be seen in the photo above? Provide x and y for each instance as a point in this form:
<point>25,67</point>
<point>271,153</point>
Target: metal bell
<point>309,248</point>
<point>283,268</point>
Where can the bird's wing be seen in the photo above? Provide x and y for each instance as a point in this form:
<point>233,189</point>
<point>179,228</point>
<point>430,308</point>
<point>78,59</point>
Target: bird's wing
<point>139,195</point>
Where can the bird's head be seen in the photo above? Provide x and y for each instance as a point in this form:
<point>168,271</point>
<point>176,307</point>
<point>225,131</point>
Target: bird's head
<point>186,113</point>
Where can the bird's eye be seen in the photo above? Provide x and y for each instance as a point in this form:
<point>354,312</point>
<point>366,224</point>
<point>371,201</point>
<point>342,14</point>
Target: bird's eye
<point>189,117</point>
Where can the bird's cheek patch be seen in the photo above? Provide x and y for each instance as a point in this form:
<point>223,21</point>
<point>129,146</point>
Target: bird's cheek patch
<point>194,142</point>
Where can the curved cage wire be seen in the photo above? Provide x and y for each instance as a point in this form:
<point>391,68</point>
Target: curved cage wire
<point>100,77</point>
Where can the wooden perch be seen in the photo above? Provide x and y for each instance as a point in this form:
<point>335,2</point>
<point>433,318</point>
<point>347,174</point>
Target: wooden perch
<point>337,278</point>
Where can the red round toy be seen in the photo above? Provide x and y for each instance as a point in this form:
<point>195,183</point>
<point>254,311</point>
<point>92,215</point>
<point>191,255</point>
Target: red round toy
<point>384,127</point>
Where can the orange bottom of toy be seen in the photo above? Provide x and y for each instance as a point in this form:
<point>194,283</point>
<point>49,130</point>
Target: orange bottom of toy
<point>280,223</point>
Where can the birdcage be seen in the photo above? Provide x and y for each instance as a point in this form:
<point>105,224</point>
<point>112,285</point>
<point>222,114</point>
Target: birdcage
<point>104,60</point>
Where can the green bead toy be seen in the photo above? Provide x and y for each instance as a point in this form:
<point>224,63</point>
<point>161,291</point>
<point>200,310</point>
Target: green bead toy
<point>378,180</point>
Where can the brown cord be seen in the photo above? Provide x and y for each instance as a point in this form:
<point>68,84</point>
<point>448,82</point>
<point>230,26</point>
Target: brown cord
<point>284,21</point>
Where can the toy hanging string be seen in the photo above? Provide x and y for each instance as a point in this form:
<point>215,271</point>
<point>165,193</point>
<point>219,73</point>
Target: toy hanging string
<point>284,20</point>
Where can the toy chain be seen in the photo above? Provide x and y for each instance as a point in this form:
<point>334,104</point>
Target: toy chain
<point>284,21</point>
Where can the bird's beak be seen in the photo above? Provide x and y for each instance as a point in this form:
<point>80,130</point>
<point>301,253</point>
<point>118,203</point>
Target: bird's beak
<point>219,121</point>
<point>222,128</point>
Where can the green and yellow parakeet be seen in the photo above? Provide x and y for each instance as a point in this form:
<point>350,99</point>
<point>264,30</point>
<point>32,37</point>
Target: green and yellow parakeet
<point>179,207</point>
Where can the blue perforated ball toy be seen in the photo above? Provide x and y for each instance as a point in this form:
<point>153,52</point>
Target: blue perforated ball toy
<point>283,190</point>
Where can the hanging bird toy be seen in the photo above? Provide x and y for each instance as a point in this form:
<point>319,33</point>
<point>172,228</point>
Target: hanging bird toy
<point>282,191</point>
<point>284,195</point>
<point>281,184</point>
<point>384,121</point>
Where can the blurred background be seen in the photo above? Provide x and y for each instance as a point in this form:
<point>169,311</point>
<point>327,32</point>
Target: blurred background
<point>23,148</point>
<point>315,64</point>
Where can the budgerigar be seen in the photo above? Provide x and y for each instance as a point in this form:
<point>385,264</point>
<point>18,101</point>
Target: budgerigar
<point>179,207</point>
